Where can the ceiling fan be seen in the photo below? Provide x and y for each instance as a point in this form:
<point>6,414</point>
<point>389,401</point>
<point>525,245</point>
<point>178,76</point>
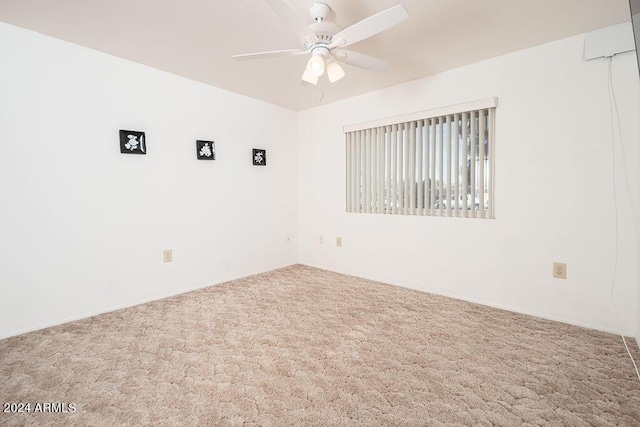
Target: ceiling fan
<point>324,40</point>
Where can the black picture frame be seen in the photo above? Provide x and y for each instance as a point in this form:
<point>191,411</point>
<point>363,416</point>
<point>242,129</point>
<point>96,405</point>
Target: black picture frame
<point>133,142</point>
<point>259,157</point>
<point>205,150</point>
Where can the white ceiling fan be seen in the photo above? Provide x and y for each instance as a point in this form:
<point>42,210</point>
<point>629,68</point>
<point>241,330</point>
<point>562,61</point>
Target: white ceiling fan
<point>324,40</point>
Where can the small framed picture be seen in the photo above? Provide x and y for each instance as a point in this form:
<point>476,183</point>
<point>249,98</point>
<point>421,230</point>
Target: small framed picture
<point>259,157</point>
<point>132,142</point>
<point>206,150</point>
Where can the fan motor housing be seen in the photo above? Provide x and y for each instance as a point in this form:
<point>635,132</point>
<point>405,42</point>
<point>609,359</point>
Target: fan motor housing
<point>320,51</point>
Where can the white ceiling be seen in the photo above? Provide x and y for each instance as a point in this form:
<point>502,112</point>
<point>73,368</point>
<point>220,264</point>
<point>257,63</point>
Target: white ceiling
<point>196,38</point>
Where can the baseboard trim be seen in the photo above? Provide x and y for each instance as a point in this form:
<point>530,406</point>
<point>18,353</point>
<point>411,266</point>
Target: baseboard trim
<point>473,300</point>
<point>242,276</point>
<point>158,297</point>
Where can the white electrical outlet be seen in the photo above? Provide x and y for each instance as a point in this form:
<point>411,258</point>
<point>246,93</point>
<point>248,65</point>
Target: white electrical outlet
<point>339,242</point>
<point>559,270</point>
<point>321,239</point>
<point>167,255</point>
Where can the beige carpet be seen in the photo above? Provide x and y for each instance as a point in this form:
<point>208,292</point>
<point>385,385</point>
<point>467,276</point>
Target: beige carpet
<point>302,346</point>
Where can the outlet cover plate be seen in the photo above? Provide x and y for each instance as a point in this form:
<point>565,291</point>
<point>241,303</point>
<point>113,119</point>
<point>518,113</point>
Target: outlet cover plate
<point>559,270</point>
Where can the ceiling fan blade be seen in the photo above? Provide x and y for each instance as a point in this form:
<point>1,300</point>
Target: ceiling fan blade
<point>360,60</point>
<point>291,18</point>
<point>371,26</point>
<point>270,54</point>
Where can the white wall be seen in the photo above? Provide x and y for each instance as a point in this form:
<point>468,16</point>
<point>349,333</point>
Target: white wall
<point>554,198</point>
<point>83,227</point>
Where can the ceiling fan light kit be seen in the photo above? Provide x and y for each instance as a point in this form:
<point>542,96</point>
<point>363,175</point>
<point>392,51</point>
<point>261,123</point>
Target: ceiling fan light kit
<point>315,65</point>
<point>309,78</point>
<point>334,72</point>
<point>324,41</point>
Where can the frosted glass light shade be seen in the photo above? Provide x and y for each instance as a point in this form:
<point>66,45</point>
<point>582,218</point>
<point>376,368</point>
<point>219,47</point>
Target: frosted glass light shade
<point>315,66</point>
<point>334,72</point>
<point>309,78</point>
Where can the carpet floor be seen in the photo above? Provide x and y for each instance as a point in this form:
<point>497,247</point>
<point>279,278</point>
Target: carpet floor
<point>302,346</point>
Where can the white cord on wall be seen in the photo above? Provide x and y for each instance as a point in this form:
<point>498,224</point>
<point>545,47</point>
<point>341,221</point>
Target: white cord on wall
<point>613,107</point>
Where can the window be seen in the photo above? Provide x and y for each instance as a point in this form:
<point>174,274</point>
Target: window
<point>436,163</point>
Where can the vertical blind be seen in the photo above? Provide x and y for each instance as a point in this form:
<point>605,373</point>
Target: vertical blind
<point>437,165</point>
